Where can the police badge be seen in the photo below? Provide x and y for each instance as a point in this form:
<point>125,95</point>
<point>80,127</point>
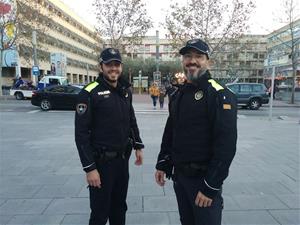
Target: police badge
<point>198,95</point>
<point>81,108</point>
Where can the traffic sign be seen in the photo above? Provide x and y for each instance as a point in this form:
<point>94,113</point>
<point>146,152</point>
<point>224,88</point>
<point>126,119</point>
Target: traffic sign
<point>35,71</point>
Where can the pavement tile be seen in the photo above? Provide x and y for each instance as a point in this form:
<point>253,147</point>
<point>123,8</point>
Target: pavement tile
<point>247,217</point>
<point>144,190</point>
<point>160,204</point>
<point>76,219</point>
<point>258,202</point>
<point>292,201</point>
<point>68,206</point>
<point>24,206</point>
<point>20,191</point>
<point>286,217</point>
<point>147,219</point>
<point>36,220</point>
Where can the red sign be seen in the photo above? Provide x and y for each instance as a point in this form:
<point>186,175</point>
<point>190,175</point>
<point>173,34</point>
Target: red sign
<point>4,8</point>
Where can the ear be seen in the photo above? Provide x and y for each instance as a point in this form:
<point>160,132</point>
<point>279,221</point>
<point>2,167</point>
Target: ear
<point>100,67</point>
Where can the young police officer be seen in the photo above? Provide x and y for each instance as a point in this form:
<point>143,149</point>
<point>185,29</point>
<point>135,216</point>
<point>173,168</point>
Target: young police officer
<point>199,140</point>
<point>105,132</point>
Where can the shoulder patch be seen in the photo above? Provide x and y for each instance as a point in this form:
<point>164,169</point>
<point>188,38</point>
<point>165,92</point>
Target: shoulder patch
<point>215,85</point>
<point>91,86</point>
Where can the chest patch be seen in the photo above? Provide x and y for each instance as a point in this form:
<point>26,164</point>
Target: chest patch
<point>107,92</point>
<point>198,95</point>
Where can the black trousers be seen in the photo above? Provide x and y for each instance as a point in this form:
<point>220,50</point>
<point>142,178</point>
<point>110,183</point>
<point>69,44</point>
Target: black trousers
<point>186,189</point>
<point>109,201</point>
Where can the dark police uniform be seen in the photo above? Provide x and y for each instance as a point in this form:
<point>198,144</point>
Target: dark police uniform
<point>199,140</point>
<point>105,123</point>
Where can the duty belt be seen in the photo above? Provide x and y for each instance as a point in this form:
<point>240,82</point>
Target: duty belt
<point>191,169</point>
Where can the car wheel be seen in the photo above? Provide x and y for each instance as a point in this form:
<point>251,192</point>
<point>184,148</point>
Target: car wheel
<point>254,104</point>
<point>45,105</point>
<point>19,95</point>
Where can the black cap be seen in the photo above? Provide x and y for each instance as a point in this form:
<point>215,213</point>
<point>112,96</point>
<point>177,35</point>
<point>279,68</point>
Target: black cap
<point>196,44</point>
<point>110,54</point>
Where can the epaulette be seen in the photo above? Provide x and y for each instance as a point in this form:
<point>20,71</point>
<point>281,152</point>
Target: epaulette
<point>215,85</point>
<point>91,86</point>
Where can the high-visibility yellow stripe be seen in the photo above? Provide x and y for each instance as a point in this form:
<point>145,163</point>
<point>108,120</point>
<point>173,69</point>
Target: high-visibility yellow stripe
<point>217,86</point>
<point>91,86</point>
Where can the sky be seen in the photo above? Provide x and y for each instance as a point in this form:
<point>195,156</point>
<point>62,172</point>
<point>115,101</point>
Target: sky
<point>264,19</point>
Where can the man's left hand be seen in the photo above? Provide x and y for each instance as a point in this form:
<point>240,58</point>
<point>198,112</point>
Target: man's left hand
<point>202,201</point>
<point>139,157</point>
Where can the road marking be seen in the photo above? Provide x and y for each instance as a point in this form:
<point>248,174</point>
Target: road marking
<point>34,111</point>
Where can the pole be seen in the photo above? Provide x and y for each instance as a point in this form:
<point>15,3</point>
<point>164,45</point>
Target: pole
<point>87,72</point>
<point>272,93</point>
<point>157,51</point>
<point>35,61</point>
<point>140,82</point>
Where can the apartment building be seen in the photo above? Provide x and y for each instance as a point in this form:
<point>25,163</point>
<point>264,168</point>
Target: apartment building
<point>65,33</point>
<point>279,53</point>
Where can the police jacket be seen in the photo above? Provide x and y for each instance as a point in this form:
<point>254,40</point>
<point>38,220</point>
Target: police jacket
<point>201,128</point>
<point>104,118</point>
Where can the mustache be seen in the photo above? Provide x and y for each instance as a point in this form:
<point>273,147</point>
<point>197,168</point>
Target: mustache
<point>192,64</point>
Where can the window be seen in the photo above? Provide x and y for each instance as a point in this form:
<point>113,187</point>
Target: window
<point>245,88</point>
<point>257,88</point>
<point>72,90</point>
<point>234,88</point>
<point>58,89</point>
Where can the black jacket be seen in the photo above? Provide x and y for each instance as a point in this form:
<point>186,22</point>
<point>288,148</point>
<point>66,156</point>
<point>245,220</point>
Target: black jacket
<point>201,128</point>
<point>104,118</point>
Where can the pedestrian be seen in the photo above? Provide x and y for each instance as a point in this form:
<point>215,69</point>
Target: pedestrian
<point>105,133</point>
<point>161,98</point>
<point>154,93</point>
<point>199,140</point>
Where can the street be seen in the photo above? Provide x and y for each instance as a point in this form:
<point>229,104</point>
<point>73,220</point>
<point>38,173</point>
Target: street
<point>42,181</point>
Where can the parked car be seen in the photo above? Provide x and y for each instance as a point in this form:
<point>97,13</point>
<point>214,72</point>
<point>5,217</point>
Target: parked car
<point>251,95</point>
<point>56,97</point>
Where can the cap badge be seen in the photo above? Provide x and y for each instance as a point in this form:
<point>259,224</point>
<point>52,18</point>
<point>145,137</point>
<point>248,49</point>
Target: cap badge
<point>113,51</point>
<point>192,41</point>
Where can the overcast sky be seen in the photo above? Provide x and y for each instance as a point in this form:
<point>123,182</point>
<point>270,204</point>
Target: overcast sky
<point>264,18</point>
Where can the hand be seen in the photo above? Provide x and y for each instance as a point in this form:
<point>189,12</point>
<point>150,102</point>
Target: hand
<point>93,178</point>
<point>202,201</point>
<point>160,177</point>
<point>139,157</point>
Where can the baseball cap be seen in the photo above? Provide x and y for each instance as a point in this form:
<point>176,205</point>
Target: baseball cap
<point>196,44</point>
<point>110,54</point>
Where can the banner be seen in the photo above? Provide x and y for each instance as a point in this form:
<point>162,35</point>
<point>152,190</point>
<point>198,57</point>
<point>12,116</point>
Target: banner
<point>58,64</point>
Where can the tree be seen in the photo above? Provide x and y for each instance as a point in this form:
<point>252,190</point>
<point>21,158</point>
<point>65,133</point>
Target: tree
<point>211,20</point>
<point>290,15</point>
<point>18,18</point>
<point>123,22</point>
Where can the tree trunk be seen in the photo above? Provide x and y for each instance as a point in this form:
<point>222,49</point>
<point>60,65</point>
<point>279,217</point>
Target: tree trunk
<point>293,80</point>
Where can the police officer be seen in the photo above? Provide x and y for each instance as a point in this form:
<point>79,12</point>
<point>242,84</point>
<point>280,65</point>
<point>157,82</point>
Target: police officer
<point>105,132</point>
<point>199,140</point>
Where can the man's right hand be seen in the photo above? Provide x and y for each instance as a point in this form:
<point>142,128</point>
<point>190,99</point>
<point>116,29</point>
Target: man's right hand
<point>93,178</point>
<point>160,177</point>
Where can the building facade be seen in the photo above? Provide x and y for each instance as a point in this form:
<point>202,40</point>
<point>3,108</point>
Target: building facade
<point>63,32</point>
<point>279,54</point>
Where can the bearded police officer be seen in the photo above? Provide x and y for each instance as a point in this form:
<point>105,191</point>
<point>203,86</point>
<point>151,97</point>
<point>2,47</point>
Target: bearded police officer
<point>199,140</point>
<point>105,132</point>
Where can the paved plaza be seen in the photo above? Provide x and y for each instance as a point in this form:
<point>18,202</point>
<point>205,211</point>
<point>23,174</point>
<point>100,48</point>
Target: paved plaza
<point>42,182</point>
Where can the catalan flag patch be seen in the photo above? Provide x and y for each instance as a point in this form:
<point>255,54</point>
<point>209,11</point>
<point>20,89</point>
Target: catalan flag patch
<point>226,106</point>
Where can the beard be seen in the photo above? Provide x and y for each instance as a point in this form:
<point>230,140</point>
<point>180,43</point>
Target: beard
<point>194,76</point>
<point>107,78</point>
